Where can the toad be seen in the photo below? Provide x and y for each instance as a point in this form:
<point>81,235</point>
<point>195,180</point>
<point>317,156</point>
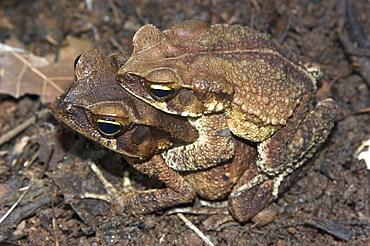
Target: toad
<point>97,107</point>
<point>265,92</point>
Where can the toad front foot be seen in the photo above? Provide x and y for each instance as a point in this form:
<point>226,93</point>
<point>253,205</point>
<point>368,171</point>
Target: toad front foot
<point>214,146</point>
<point>113,196</point>
<point>178,190</point>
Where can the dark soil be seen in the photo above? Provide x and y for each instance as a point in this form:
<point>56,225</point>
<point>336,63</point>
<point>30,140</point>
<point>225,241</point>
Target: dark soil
<point>336,190</point>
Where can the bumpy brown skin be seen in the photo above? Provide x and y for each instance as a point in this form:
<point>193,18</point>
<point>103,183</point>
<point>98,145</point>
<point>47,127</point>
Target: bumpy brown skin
<point>221,68</point>
<point>149,133</point>
<point>216,183</point>
<point>265,93</point>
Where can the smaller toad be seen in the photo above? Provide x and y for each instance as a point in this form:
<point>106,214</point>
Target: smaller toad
<point>97,107</point>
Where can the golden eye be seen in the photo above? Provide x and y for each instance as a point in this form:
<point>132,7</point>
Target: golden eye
<point>161,92</point>
<point>109,127</point>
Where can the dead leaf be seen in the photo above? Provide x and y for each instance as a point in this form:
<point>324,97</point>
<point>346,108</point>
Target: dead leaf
<point>21,72</point>
<point>8,188</point>
<point>52,148</point>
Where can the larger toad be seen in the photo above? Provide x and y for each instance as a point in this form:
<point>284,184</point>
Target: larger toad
<point>265,93</point>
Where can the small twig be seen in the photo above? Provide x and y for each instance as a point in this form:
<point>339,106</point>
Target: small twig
<point>108,186</point>
<point>89,5</point>
<point>28,163</point>
<point>286,29</point>
<point>14,132</point>
<point>55,226</point>
<point>197,211</point>
<point>195,229</point>
<point>360,111</point>
<point>117,45</point>
<point>331,227</point>
<point>355,27</point>
<point>115,12</point>
<point>60,26</point>
<point>16,203</point>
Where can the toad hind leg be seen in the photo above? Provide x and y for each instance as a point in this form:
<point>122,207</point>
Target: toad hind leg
<point>178,190</point>
<point>296,142</point>
<point>254,192</point>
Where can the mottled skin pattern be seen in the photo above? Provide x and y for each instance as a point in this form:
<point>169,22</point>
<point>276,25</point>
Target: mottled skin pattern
<point>265,93</point>
<point>214,146</point>
<point>152,138</point>
<point>226,68</point>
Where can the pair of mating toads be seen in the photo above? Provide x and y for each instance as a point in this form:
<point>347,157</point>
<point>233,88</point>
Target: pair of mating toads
<point>216,111</point>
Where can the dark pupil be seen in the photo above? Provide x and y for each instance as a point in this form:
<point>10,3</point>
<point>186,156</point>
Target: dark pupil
<point>161,93</point>
<point>109,128</point>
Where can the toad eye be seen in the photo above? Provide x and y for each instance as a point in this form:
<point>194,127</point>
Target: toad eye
<point>109,127</point>
<point>161,92</point>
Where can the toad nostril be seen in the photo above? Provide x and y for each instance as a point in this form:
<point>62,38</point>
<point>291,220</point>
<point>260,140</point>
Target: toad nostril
<point>69,109</point>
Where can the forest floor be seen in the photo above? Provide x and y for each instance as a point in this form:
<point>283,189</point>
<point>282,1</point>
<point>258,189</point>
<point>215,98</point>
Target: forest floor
<point>329,205</point>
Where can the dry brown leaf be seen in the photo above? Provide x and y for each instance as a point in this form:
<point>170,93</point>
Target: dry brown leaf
<point>22,73</point>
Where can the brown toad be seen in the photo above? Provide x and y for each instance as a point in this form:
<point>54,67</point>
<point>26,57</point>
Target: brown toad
<point>265,93</point>
<point>97,107</point>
